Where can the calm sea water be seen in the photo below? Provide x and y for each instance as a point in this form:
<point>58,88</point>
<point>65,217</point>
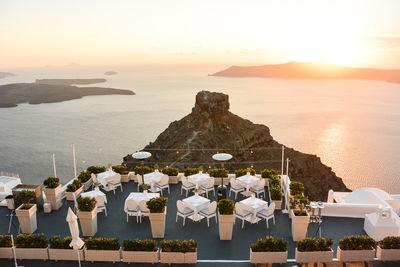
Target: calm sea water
<point>353,125</point>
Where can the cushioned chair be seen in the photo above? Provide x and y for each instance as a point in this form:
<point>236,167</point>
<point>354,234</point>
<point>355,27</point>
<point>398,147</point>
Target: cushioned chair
<point>100,204</point>
<point>241,213</point>
<point>182,211</point>
<point>131,209</point>
<point>186,185</point>
<point>209,186</point>
<point>164,183</point>
<point>235,187</point>
<point>209,212</point>
<point>144,210</point>
<point>267,213</point>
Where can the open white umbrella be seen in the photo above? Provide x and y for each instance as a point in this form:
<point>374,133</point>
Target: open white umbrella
<point>76,242</point>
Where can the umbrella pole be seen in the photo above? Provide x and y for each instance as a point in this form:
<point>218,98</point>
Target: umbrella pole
<point>54,165</point>
<point>13,249</point>
<point>79,258</point>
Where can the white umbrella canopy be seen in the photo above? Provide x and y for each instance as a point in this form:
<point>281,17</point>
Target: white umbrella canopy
<point>141,155</point>
<point>72,219</point>
<point>222,156</point>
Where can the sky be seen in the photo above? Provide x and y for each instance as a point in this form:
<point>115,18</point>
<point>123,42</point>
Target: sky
<point>236,32</point>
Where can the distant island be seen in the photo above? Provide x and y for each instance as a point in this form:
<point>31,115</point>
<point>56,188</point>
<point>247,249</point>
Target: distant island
<point>299,70</point>
<point>6,74</point>
<point>70,81</point>
<point>36,93</point>
<point>110,72</point>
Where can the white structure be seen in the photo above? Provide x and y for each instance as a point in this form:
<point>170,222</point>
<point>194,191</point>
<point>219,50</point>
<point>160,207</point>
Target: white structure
<point>7,183</point>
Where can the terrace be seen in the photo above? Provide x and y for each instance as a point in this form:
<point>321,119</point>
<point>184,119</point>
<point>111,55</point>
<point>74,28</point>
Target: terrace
<point>211,250</point>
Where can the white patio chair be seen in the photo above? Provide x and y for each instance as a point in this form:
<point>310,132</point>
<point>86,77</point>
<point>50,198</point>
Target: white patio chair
<point>209,186</point>
<point>267,213</point>
<point>260,187</point>
<point>100,204</point>
<point>182,211</point>
<point>139,181</point>
<point>209,212</point>
<point>144,210</point>
<point>94,179</point>
<point>112,185</point>
<point>186,185</point>
<point>164,183</point>
<point>132,209</point>
<point>235,187</point>
<point>241,213</point>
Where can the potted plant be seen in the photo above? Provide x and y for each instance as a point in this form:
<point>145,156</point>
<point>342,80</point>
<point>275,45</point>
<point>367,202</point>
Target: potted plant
<point>226,219</point>
<point>142,170</point>
<point>220,175</point>
<point>26,212</point>
<point>268,250</point>
<point>122,170</point>
<point>140,251</point>
<point>190,171</point>
<point>172,174</point>
<point>59,249</point>
<point>158,211</point>
<point>389,249</point>
<point>299,206</point>
<point>6,251</point>
<point>144,187</point>
<point>52,191</point>
<point>85,178</point>
<point>96,169</point>
<point>275,191</point>
<point>356,248</point>
<point>31,246</point>
<point>175,251</point>
<point>87,214</point>
<point>74,187</point>
<point>314,250</point>
<point>102,249</point>
<point>242,172</point>
<point>296,188</point>
<point>269,173</point>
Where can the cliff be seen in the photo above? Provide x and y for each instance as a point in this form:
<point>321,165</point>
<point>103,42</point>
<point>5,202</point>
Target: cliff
<point>298,70</point>
<point>213,127</point>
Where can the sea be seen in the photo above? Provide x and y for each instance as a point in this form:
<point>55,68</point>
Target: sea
<point>352,125</point>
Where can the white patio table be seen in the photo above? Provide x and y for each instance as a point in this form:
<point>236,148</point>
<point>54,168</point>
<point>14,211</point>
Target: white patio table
<point>108,176</point>
<point>253,205</point>
<point>199,179</point>
<point>95,193</point>
<point>153,178</point>
<point>247,181</point>
<point>196,203</point>
<point>139,197</point>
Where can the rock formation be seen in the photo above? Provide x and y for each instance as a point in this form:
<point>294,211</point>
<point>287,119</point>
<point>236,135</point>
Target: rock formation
<point>191,141</point>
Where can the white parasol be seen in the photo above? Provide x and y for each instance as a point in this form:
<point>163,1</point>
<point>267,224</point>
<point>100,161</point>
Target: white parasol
<point>141,155</point>
<point>76,243</point>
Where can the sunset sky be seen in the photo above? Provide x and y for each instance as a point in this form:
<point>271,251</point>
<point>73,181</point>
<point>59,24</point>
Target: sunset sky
<point>355,33</point>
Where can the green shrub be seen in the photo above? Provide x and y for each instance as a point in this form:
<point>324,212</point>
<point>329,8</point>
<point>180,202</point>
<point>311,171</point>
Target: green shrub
<point>170,171</point>
<point>51,182</point>
<point>101,243</point>
<point>296,188</point>
<point>390,242</point>
<point>274,181</point>
<point>139,245</point>
<point>276,193</point>
<point>56,242</point>
<point>31,241</point>
<point>120,169</point>
<point>25,197</point>
<point>5,241</point>
<point>242,172</point>
<point>226,207</point>
<point>75,185</point>
<point>269,173</point>
<point>190,171</point>
<point>300,205</point>
<point>362,242</point>
<point>142,170</point>
<point>218,172</point>
<point>86,203</point>
<point>96,169</point>
<point>269,244</point>
<point>178,246</point>
<point>312,244</point>
<point>157,205</point>
<point>84,176</point>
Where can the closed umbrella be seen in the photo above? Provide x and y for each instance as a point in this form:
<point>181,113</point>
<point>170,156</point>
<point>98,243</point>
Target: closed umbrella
<point>76,242</point>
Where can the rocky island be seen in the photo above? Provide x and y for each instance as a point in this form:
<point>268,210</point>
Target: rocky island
<point>36,93</point>
<point>110,72</point>
<point>6,74</point>
<point>299,70</point>
<point>211,126</point>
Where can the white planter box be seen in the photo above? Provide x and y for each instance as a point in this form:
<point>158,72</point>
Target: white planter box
<point>88,184</point>
<point>278,204</point>
<point>27,219</point>
<point>140,256</point>
<point>103,255</point>
<point>6,253</point>
<point>78,192</point>
<point>388,254</point>
<point>125,178</point>
<point>190,257</point>
<point>355,255</point>
<point>217,180</point>
<point>268,257</point>
<point>88,220</point>
<point>172,257</point>
<point>314,256</point>
<point>157,222</point>
<point>65,254</point>
<point>173,179</point>
<point>31,253</point>
<point>299,226</point>
<point>225,226</point>
<point>53,196</point>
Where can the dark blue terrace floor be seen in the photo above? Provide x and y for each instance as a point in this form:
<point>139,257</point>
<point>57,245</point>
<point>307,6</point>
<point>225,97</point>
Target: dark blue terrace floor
<point>209,245</point>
